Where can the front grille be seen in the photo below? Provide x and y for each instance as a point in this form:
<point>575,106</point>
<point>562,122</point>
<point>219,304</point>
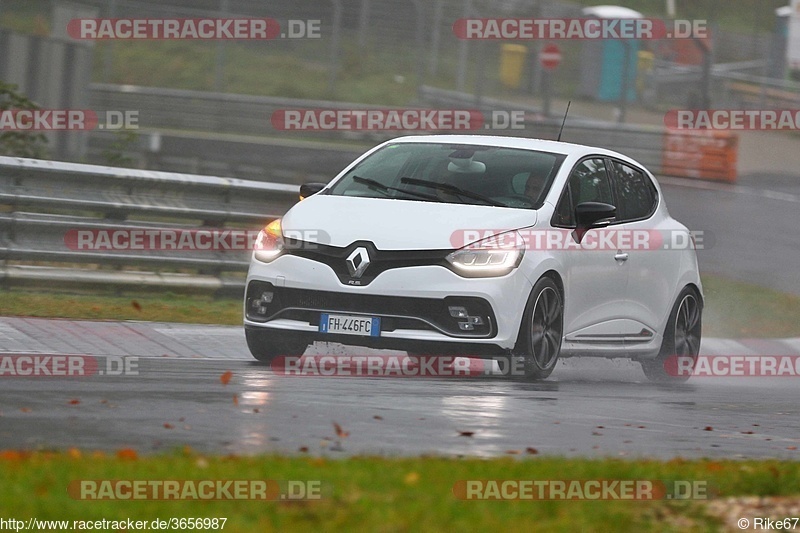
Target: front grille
<point>427,313</point>
<point>380,260</point>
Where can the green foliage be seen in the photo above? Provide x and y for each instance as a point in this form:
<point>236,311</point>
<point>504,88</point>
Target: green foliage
<point>115,155</point>
<point>19,143</point>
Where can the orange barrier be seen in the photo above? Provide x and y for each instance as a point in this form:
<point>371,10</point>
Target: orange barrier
<point>710,155</point>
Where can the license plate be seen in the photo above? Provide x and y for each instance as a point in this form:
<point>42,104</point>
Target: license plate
<point>350,325</point>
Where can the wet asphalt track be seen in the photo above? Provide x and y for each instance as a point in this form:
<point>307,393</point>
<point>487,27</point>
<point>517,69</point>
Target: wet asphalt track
<point>587,408</point>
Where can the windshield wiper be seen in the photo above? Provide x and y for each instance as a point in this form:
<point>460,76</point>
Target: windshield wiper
<point>452,189</point>
<point>376,185</point>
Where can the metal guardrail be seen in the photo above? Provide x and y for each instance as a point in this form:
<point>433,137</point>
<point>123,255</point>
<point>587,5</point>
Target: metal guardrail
<point>43,201</point>
<point>232,134</point>
<point>732,85</point>
<point>262,159</point>
<point>758,92</point>
<point>121,191</point>
<point>182,109</point>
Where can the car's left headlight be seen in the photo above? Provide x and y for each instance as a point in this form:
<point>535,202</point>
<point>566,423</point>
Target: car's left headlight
<point>491,257</point>
<point>269,243</point>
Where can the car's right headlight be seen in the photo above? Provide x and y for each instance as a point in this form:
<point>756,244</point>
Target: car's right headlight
<point>491,257</point>
<point>269,243</point>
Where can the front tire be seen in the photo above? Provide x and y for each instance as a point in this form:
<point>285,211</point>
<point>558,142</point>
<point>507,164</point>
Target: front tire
<point>541,332</point>
<point>265,345</point>
<point>681,340</point>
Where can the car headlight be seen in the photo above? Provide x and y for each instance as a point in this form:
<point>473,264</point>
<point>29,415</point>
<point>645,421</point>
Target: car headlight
<point>492,257</point>
<point>269,243</point>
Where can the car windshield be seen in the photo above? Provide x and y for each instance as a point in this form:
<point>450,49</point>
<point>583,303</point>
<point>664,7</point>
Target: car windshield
<point>452,173</point>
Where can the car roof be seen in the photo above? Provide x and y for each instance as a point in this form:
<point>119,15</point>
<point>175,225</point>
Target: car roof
<point>568,149</point>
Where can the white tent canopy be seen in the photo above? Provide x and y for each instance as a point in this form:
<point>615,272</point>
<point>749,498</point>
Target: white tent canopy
<point>612,12</point>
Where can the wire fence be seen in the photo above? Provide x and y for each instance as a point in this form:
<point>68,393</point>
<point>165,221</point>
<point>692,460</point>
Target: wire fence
<point>370,48</point>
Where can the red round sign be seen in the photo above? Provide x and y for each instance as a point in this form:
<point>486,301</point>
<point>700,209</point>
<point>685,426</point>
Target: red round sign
<point>550,56</point>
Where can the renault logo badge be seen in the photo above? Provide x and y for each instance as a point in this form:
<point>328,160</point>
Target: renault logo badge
<point>357,262</point>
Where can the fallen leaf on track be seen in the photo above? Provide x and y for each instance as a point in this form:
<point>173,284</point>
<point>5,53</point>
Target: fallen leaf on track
<point>342,434</point>
<point>128,454</point>
<point>10,455</point>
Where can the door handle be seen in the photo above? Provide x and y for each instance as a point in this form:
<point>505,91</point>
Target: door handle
<point>620,256</point>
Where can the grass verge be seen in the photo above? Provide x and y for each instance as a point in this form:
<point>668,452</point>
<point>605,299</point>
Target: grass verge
<point>733,309</point>
<point>166,307</point>
<point>379,494</point>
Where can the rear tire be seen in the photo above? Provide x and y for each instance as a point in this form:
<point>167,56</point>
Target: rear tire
<point>541,332</point>
<point>265,345</point>
<point>681,339</point>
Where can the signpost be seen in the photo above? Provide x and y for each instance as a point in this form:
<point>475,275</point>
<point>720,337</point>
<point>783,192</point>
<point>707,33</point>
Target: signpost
<point>549,58</point>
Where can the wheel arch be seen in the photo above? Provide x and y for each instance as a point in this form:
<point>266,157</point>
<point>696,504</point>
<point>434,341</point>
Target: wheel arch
<point>697,291</point>
<point>556,277</point>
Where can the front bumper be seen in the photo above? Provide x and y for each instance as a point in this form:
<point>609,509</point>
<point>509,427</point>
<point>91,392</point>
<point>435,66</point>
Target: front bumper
<point>412,302</point>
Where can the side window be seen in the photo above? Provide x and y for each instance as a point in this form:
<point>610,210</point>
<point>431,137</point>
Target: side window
<point>637,198</point>
<point>589,182</point>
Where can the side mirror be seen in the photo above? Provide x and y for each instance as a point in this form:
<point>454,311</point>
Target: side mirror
<point>309,189</point>
<point>589,215</point>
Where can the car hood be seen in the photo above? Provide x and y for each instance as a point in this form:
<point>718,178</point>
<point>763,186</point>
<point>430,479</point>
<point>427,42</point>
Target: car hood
<point>399,224</point>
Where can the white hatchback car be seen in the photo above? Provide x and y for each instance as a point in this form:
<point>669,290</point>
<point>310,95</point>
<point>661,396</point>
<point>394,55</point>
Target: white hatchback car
<point>480,246</point>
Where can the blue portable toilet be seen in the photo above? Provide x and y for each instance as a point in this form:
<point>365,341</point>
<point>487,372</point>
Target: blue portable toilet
<point>603,61</point>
